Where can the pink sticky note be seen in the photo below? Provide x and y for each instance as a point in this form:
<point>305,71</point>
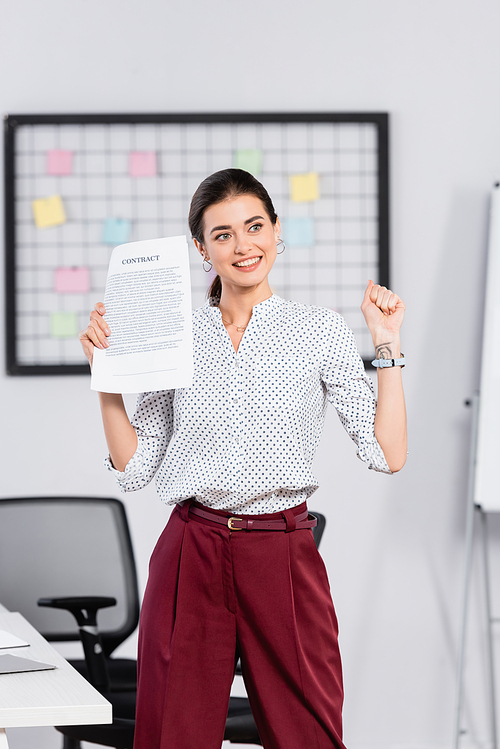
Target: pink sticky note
<point>60,162</point>
<point>142,164</point>
<point>72,280</point>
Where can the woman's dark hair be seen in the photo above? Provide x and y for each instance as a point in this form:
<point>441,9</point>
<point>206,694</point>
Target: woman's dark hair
<point>223,185</point>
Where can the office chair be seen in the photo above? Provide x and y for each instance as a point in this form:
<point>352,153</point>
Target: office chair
<point>240,725</point>
<point>63,546</point>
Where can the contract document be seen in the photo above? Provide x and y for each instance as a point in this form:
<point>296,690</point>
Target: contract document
<point>148,311</point>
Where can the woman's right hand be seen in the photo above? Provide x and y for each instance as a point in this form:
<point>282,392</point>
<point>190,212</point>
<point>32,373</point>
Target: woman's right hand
<point>96,332</point>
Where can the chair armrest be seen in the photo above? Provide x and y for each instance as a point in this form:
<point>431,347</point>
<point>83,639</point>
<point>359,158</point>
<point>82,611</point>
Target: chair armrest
<point>84,609</point>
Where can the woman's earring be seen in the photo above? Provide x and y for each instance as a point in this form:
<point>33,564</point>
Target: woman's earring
<point>207,270</point>
<point>280,241</point>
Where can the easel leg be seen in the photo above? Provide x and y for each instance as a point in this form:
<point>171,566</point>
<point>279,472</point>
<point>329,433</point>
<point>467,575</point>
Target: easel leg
<point>489,621</point>
<point>4,744</point>
<point>469,540</point>
<point>469,536</point>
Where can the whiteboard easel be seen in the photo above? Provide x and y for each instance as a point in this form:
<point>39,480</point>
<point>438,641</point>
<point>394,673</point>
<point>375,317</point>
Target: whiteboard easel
<point>484,486</point>
<point>486,490</point>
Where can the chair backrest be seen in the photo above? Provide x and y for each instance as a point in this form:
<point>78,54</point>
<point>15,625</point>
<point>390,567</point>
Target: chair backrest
<point>68,546</point>
<point>318,530</point>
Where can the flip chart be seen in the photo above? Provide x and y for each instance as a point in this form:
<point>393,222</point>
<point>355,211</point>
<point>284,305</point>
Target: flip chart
<point>148,311</point>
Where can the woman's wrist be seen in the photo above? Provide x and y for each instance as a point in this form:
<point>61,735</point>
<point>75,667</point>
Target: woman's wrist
<point>387,348</point>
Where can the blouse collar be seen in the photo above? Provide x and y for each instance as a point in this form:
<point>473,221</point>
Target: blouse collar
<point>267,307</point>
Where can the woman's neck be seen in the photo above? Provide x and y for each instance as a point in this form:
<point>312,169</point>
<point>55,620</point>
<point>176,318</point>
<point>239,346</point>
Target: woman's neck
<point>236,306</point>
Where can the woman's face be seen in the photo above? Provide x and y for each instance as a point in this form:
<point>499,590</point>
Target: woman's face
<point>240,241</point>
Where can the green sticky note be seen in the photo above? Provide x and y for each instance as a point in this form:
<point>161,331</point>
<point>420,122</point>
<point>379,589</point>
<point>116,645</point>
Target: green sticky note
<point>63,325</point>
<point>250,160</point>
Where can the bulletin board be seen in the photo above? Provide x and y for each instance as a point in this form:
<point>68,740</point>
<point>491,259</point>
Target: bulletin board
<point>78,185</point>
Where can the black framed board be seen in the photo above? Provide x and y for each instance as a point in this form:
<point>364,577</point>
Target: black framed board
<point>78,185</point>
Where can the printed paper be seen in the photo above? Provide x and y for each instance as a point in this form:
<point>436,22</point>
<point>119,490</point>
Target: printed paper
<point>148,311</point>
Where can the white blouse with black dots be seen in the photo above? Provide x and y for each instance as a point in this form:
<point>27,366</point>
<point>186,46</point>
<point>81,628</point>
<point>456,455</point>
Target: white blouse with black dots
<point>243,436</point>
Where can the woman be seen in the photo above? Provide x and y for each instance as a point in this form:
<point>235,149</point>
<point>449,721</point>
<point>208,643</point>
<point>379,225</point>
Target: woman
<point>236,571</point>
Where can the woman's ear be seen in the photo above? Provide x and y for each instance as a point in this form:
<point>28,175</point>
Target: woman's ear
<point>277,230</point>
<point>200,249</point>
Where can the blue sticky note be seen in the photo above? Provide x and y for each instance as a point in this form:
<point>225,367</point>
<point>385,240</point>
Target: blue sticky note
<point>116,231</point>
<point>298,232</point>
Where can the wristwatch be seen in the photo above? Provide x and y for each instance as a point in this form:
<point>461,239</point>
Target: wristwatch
<point>390,362</point>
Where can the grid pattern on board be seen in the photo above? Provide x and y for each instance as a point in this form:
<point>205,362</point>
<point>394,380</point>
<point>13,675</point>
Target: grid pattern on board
<point>80,188</point>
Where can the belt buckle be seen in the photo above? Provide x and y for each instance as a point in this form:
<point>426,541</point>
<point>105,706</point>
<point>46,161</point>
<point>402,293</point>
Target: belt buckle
<point>230,524</point>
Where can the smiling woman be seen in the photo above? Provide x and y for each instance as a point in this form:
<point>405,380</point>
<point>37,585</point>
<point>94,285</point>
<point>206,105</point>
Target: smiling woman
<point>242,251</point>
<point>236,572</point>
<point>222,187</point>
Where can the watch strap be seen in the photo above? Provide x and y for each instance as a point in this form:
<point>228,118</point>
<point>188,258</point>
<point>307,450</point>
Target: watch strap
<point>390,362</point>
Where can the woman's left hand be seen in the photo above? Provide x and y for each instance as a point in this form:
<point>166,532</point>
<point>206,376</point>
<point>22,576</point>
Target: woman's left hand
<point>383,311</point>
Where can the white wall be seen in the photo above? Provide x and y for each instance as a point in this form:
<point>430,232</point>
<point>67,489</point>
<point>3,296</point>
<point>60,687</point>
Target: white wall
<point>393,545</point>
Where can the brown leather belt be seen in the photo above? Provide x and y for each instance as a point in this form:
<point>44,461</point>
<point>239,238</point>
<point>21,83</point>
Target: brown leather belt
<point>304,520</point>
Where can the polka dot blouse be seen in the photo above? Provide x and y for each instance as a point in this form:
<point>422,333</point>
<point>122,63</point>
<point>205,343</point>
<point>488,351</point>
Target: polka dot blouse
<point>243,437</point>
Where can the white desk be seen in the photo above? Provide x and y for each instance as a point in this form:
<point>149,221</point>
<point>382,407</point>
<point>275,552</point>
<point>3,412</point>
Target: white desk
<point>45,698</point>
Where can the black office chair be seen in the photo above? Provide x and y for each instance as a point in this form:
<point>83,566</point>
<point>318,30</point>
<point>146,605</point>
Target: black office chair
<point>240,725</point>
<point>62,546</point>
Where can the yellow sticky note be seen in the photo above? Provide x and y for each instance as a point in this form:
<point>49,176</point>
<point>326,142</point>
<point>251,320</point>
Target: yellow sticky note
<point>304,187</point>
<point>63,325</point>
<point>49,211</point>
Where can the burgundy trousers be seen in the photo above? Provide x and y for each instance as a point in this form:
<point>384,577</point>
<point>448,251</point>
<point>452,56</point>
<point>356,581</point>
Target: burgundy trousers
<point>214,594</point>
